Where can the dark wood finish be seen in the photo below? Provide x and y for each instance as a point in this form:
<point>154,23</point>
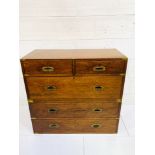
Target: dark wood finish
<point>74,91</point>
<point>35,67</point>
<point>74,110</point>
<point>112,66</point>
<point>78,87</point>
<point>107,125</point>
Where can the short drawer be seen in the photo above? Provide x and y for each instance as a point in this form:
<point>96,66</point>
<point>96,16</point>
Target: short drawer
<point>75,125</point>
<point>107,66</point>
<point>107,87</point>
<point>71,110</point>
<point>47,67</point>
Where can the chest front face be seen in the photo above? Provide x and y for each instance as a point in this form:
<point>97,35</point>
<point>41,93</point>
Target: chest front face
<point>74,91</point>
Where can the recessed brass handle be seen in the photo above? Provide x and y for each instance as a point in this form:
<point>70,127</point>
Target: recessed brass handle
<point>47,69</point>
<point>99,88</point>
<point>51,88</point>
<point>52,110</point>
<point>96,125</point>
<point>99,68</point>
<point>53,126</point>
<point>97,110</point>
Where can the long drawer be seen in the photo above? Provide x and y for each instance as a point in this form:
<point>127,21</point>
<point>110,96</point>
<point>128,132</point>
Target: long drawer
<point>106,87</point>
<point>75,125</point>
<point>71,110</point>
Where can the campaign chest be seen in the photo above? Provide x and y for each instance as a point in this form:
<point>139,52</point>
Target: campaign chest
<point>74,91</point>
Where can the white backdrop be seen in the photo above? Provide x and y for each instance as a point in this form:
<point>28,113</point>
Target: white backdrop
<point>72,24</point>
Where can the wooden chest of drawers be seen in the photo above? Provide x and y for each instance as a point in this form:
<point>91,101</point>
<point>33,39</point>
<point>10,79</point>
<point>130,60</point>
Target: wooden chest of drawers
<point>74,91</point>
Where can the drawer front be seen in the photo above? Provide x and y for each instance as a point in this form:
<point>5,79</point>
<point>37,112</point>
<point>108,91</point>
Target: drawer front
<point>47,67</point>
<point>71,110</point>
<point>107,87</point>
<point>75,125</point>
<point>112,66</point>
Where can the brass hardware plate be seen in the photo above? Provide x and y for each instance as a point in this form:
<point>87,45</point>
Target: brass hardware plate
<point>99,68</point>
<point>51,88</point>
<point>47,69</point>
<point>52,110</point>
<point>97,110</point>
<point>95,125</point>
<point>99,88</point>
<point>53,126</point>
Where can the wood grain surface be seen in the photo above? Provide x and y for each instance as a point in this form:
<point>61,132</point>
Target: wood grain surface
<point>74,54</point>
<point>61,67</point>
<point>110,66</point>
<point>78,87</point>
<point>74,91</point>
<point>71,110</point>
<point>75,125</point>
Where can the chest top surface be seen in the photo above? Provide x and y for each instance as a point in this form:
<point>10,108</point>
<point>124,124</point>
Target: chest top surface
<point>74,54</point>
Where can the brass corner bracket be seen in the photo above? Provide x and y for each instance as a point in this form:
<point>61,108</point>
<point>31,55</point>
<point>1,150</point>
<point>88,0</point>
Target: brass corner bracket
<point>122,74</point>
<point>119,100</point>
<point>30,101</point>
<point>26,74</point>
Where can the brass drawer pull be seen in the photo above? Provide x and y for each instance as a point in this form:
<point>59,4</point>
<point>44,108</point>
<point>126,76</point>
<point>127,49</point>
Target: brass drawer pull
<point>97,110</point>
<point>52,110</point>
<point>53,126</point>
<point>99,88</point>
<point>47,69</point>
<point>99,68</point>
<point>51,88</point>
<point>96,125</point>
